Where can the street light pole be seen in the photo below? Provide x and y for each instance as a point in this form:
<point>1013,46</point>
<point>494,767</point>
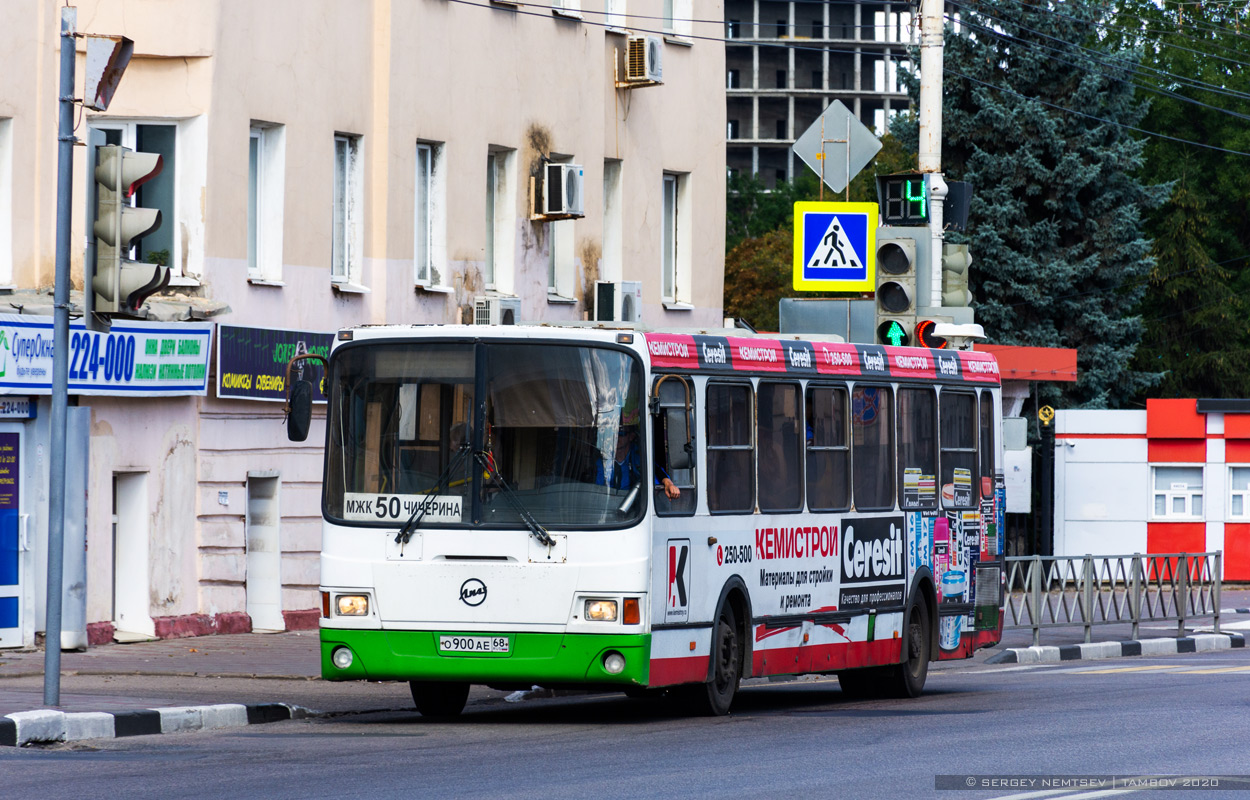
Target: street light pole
<point>60,363</point>
<point>930,150</point>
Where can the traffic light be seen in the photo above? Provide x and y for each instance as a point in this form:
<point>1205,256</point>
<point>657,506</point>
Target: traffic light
<point>955,262</point>
<point>925,336</point>
<point>119,285</point>
<point>903,199</point>
<point>899,252</point>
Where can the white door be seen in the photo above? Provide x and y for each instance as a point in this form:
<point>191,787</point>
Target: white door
<point>132,611</point>
<point>12,544</point>
<point>264,554</point>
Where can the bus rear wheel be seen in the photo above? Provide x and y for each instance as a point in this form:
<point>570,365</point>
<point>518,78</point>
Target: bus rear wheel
<point>439,699</point>
<point>716,696</point>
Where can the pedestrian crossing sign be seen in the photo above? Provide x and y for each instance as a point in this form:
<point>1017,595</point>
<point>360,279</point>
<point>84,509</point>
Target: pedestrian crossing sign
<point>835,247</point>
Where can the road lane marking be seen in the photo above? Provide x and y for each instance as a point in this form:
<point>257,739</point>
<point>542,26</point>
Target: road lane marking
<point>1124,669</point>
<point>1212,670</point>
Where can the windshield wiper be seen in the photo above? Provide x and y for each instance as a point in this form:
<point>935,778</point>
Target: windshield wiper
<point>405,533</point>
<point>538,531</point>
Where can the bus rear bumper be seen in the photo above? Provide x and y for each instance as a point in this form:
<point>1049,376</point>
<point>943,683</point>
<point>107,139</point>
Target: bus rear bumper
<point>532,658</point>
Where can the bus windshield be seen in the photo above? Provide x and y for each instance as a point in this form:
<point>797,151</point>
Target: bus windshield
<point>468,432</point>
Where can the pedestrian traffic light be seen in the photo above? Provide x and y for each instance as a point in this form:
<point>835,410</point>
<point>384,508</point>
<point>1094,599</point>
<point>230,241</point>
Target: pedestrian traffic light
<point>119,285</point>
<point>955,262</point>
<point>899,252</point>
<point>903,198</point>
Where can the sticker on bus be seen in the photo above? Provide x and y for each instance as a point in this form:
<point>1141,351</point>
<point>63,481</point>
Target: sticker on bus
<point>399,507</point>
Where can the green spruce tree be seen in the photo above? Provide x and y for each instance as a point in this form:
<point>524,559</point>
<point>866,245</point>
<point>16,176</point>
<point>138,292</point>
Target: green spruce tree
<point>1037,117</point>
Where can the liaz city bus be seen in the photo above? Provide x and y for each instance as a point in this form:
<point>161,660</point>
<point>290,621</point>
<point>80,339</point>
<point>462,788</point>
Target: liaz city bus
<point>658,513</point>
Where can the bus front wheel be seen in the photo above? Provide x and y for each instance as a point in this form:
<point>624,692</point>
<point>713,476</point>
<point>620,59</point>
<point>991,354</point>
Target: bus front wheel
<point>714,697</point>
<point>439,699</point>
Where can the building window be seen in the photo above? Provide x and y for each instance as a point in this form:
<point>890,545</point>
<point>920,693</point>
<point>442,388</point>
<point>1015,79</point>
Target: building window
<point>730,454</point>
<point>781,79</point>
<point>780,129</point>
<point>1177,492</point>
<point>6,201</point>
<point>817,79</point>
<point>1239,488</point>
<point>266,168</point>
<point>567,8</point>
<point>613,222</point>
<point>348,223</point>
<point>732,80</point>
<point>429,219</point>
<point>161,246</point>
<point>733,29</point>
<point>614,13</point>
<point>560,259</point>
<point>500,219</point>
<point>818,29</point>
<point>732,129</point>
<point>782,25</point>
<point>675,245</point>
<point>678,17</point>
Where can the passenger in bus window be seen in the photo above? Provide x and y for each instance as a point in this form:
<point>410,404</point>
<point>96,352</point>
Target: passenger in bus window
<point>623,470</point>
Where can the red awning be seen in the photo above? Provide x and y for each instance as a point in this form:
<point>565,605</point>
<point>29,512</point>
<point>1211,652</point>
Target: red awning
<point>1032,363</point>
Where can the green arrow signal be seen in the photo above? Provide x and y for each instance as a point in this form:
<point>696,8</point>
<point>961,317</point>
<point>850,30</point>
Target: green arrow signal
<point>892,332</point>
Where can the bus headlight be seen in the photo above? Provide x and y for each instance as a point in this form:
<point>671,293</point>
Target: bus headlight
<point>601,610</point>
<point>614,663</point>
<point>342,657</point>
<point>352,605</point>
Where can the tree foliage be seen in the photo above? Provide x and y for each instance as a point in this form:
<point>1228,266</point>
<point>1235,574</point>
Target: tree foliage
<point>1196,75</point>
<point>1037,114</point>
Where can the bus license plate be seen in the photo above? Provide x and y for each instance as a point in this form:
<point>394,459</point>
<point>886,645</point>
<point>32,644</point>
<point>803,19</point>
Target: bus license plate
<point>472,644</point>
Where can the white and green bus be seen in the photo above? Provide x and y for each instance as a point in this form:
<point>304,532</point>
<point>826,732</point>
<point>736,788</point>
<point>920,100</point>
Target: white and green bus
<point>652,512</point>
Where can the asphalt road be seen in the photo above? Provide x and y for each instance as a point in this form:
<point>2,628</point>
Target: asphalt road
<point>1185,714</point>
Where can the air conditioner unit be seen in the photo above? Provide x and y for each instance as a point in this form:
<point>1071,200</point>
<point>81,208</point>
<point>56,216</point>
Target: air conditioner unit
<point>618,301</point>
<point>496,310</point>
<point>563,186</point>
<point>644,60</point>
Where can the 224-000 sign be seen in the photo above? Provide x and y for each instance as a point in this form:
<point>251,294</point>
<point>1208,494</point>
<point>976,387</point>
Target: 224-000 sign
<point>473,644</point>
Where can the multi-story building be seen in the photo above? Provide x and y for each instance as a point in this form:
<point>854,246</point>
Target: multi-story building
<point>786,61</point>
<point>329,164</point>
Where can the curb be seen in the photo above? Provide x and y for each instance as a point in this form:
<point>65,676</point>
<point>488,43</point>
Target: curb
<point>1197,643</point>
<point>48,725</point>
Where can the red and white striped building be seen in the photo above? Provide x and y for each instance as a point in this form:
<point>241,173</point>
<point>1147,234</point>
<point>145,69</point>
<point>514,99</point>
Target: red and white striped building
<point>1174,478</point>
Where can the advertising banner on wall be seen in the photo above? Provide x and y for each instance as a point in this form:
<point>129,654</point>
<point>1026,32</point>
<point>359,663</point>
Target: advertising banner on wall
<point>140,359</point>
<point>251,362</point>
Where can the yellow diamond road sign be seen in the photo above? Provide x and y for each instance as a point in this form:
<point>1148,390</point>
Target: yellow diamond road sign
<point>835,247</point>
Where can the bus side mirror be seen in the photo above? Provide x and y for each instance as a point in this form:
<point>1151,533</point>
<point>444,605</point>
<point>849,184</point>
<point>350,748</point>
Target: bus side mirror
<point>299,412</point>
<point>677,433</point>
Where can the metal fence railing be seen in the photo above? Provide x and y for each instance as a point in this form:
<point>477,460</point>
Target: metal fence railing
<point>1064,591</point>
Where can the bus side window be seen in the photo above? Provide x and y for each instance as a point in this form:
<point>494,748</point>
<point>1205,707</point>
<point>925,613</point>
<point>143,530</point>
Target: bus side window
<point>777,439</point>
<point>730,451</point>
<point>828,450</point>
<point>917,449</point>
<point>959,450</point>
<point>669,442</point>
<point>986,441</point>
<point>872,447</point>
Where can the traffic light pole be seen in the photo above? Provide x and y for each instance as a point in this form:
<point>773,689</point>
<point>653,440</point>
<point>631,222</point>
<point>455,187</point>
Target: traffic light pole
<point>930,160</point>
<point>60,363</point>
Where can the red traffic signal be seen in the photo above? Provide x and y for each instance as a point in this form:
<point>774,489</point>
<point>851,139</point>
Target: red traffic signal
<point>925,336</point>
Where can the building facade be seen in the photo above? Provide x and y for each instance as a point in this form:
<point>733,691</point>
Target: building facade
<point>329,164</point>
<point>786,61</point>
<point>1174,478</point>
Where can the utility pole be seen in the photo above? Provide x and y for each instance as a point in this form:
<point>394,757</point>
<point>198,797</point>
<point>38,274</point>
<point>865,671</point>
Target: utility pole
<point>60,363</point>
<point>931,44</point>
